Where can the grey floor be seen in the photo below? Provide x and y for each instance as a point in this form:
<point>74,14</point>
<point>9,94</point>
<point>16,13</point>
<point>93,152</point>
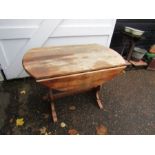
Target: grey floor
<point>129,107</point>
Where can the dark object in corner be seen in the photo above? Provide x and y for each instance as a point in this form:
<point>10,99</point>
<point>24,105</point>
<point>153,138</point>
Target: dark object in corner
<point>152,65</point>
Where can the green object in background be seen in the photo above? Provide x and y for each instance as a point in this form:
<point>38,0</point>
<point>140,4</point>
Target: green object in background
<point>149,56</point>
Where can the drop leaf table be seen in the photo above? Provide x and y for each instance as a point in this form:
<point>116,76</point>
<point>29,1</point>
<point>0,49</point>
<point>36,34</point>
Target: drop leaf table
<point>73,69</point>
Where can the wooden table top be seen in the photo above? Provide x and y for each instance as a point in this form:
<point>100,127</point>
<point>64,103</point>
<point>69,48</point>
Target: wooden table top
<point>56,61</point>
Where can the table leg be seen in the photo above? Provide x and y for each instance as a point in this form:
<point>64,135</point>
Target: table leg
<point>54,115</point>
<point>131,50</point>
<point>99,102</point>
<point>125,41</point>
<point>59,95</point>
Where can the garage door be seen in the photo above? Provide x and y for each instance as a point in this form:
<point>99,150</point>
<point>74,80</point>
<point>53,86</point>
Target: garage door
<point>18,36</point>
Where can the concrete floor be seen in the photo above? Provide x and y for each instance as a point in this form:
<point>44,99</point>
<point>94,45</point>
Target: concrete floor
<point>129,107</point>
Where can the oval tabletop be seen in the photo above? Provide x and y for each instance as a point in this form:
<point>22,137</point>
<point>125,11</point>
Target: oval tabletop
<point>56,61</point>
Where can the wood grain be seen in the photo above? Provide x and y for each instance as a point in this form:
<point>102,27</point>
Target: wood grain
<point>57,61</point>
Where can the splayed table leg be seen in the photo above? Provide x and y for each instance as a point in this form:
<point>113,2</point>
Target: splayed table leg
<point>99,102</point>
<point>54,115</point>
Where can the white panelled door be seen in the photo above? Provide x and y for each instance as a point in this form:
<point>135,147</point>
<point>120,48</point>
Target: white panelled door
<point>18,36</point>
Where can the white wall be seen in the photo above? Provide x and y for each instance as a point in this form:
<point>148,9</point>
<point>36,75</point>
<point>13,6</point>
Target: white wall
<point>18,36</point>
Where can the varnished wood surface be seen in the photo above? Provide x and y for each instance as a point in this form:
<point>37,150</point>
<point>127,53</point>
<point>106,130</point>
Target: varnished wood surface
<point>82,80</point>
<point>57,61</point>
